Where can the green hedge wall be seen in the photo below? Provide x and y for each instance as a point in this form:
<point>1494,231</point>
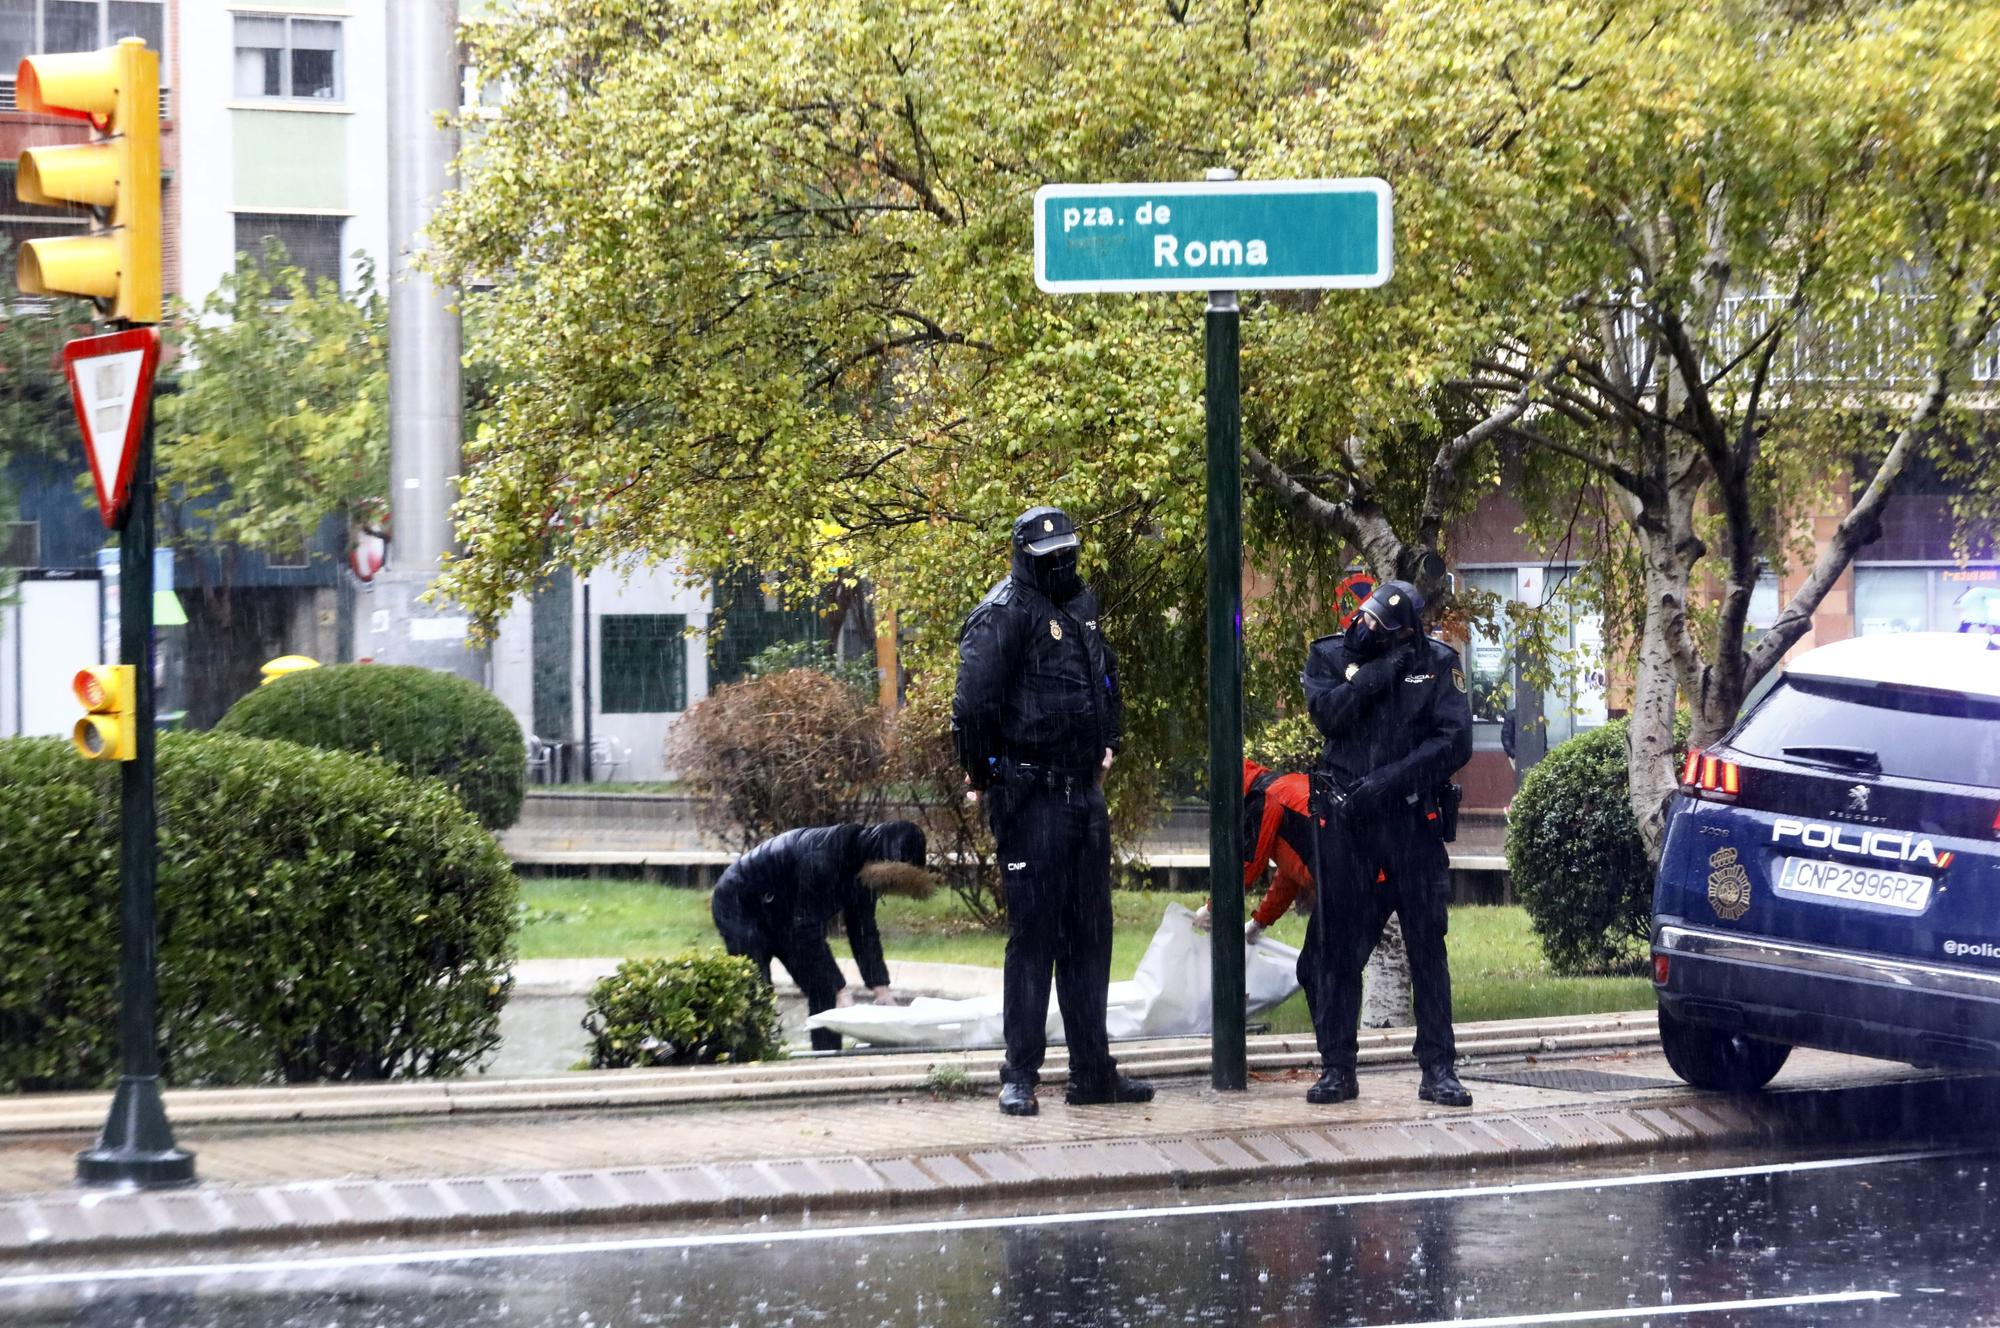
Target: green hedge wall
<point>428,723</point>
<point>321,916</point>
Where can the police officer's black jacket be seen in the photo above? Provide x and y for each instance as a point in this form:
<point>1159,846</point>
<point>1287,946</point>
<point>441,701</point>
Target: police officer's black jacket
<point>1037,683</point>
<point>1402,718</point>
<point>795,882</point>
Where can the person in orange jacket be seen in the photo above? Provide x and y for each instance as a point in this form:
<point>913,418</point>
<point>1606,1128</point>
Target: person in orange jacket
<point>1276,831</point>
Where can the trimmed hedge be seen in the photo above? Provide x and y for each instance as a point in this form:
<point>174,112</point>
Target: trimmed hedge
<point>321,916</point>
<point>428,723</point>
<point>1578,863</point>
<point>696,1008</point>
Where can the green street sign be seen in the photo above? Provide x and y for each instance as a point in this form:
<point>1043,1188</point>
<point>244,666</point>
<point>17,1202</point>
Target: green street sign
<point>1220,235</point>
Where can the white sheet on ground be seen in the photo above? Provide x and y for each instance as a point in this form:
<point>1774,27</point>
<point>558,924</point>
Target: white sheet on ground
<point>1167,997</point>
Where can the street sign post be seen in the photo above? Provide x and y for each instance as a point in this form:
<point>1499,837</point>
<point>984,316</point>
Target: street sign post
<point>1225,234</point>
<point>116,265</point>
<point>111,382</point>
<point>1222,236</point>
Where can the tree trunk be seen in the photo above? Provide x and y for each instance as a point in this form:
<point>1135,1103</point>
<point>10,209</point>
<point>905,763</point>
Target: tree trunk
<point>1649,734</point>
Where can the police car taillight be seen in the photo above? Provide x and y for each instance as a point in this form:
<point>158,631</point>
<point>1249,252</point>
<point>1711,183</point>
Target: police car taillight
<point>1704,773</point>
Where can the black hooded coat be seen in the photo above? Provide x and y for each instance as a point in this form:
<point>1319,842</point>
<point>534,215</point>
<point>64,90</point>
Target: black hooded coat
<point>1037,683</point>
<point>790,886</point>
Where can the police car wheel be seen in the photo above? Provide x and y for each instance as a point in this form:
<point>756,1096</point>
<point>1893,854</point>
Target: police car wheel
<point>1715,1059</point>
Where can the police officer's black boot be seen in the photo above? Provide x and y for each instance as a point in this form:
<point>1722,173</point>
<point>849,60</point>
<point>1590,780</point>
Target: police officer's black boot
<point>1117,1089</point>
<point>1441,1086</point>
<point>1334,1086</point>
<point>1018,1099</point>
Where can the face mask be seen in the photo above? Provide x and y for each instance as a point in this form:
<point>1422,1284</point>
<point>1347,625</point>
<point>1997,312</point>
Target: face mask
<point>1362,640</point>
<point>1055,576</point>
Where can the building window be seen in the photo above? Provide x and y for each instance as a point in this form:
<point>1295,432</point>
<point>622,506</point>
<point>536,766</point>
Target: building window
<point>643,663</point>
<point>311,244</point>
<point>20,544</point>
<point>1925,599</point>
<point>1891,599</point>
<point>288,57</point>
<point>44,27</point>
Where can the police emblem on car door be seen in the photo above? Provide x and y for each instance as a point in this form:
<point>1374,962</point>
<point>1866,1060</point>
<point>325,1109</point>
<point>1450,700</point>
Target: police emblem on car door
<point>1728,885</point>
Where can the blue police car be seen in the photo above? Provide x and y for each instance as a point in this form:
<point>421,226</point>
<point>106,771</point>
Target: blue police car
<point>1831,874</point>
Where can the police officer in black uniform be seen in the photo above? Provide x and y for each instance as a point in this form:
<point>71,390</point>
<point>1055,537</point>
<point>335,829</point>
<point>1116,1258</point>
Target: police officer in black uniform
<point>1036,719</point>
<point>1392,706</point>
<point>774,903</point>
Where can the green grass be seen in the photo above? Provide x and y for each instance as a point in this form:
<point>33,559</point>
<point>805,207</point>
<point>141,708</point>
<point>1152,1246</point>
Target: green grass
<point>1496,965</point>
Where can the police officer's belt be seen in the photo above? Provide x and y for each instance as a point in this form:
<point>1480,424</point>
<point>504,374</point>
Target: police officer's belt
<point>1025,772</point>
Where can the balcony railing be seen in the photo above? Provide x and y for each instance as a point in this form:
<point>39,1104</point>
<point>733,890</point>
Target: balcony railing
<point>1875,347</point>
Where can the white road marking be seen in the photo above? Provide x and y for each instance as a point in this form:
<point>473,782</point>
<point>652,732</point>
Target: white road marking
<point>546,1250</point>
<point>1657,1311</point>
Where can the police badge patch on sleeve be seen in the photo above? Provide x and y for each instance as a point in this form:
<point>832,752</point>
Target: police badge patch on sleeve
<point>1055,629</point>
<point>1458,679</point>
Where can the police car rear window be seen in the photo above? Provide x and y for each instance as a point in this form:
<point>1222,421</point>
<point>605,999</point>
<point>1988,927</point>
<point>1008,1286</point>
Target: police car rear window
<point>1916,735</point>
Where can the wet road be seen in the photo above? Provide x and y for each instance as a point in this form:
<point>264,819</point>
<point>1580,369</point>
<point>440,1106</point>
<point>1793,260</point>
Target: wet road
<point>1907,1240</point>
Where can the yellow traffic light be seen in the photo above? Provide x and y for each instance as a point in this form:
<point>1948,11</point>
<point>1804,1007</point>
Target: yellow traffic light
<point>118,265</point>
<point>107,732</point>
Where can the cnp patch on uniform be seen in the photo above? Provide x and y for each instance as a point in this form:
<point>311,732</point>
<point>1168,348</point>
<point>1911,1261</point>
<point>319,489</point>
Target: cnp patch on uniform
<point>1055,629</point>
<point>1458,679</point>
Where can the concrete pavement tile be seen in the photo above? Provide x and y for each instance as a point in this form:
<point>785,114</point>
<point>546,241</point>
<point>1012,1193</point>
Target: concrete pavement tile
<point>17,1228</point>
<point>902,1175</point>
<point>1232,1155</point>
<point>1185,1158</point>
<point>368,1203</point>
<point>951,1172</point>
<point>1434,1139</point>
<point>504,1196</point>
<point>1514,1137</point>
<point>420,1200</point>
<point>746,1180</point>
<point>1363,1143</point>
<point>594,1190</point>
<point>688,1185</point>
<point>847,1175</point>
<point>307,1204</point>
<point>1664,1122</point>
<point>1628,1124</point>
<point>470,1193</point>
<point>187,1213</point>
<point>1589,1128</point>
<point>1004,1167</point>
<point>1716,1117</point>
<point>1472,1136</point>
<point>562,1197</point>
<point>1313,1146</point>
<point>106,1216</point>
<point>797,1177</point>
<point>1053,1164</point>
<point>1272,1149</point>
<point>1563,1133</point>
<point>1129,1157</point>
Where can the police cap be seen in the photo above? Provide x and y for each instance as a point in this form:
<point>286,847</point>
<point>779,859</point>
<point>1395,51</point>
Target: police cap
<point>1396,605</point>
<point>1041,530</point>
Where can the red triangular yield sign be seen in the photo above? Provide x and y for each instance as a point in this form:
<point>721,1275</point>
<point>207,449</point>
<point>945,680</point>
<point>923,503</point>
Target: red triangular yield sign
<point>111,380</point>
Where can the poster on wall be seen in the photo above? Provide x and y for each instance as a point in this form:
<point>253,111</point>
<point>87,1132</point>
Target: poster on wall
<point>1589,705</point>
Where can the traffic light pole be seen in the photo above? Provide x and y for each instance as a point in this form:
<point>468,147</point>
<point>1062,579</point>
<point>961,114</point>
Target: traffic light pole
<point>136,1147</point>
<point>1225,688</point>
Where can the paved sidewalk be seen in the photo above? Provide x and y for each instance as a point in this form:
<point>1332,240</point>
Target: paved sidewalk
<point>863,1133</point>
